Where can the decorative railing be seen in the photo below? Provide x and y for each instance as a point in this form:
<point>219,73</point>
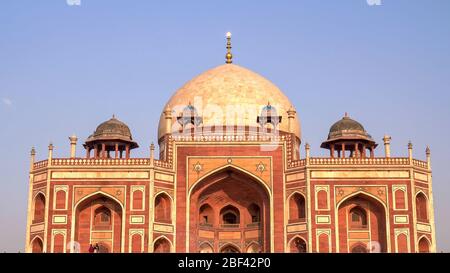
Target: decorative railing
<point>359,161</point>
<point>99,161</point>
<point>391,161</point>
<point>420,163</point>
<point>163,164</point>
<point>237,138</point>
<point>40,164</point>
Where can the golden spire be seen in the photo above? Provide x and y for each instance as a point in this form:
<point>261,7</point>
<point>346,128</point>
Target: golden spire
<point>229,56</point>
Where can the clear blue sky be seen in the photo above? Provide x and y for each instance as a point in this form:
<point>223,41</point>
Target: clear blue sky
<point>64,69</point>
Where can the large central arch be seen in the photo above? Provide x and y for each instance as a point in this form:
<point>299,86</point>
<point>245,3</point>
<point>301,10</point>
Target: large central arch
<point>229,207</point>
<point>362,222</point>
<point>99,220</point>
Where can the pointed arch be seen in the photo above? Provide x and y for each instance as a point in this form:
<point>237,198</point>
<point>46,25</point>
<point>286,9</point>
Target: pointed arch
<point>297,244</point>
<point>206,247</point>
<point>220,185</point>
<point>37,245</point>
<point>231,168</point>
<point>253,247</point>
<point>380,230</point>
<point>358,247</point>
<point>230,215</point>
<point>206,215</point>
<point>117,222</point>
<point>297,207</point>
<point>230,248</point>
<point>162,244</point>
<point>39,203</point>
<point>163,207</point>
<point>422,210</point>
<point>424,244</point>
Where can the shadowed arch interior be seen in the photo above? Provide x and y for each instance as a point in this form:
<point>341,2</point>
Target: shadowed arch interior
<point>237,209</point>
<point>98,220</point>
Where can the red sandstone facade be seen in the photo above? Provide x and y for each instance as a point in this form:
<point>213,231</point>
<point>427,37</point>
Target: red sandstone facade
<point>231,192</point>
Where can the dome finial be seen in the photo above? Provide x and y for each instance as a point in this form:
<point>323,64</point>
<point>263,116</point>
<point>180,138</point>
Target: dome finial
<point>229,56</point>
<point>346,115</point>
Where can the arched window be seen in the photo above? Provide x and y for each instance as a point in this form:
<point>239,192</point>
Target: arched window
<point>359,248</point>
<point>229,249</point>
<point>39,208</point>
<point>37,246</point>
<point>230,216</point>
<point>163,208</point>
<point>400,199</point>
<point>322,200</point>
<point>60,200</point>
<point>136,243</point>
<point>421,207</point>
<point>206,215</point>
<point>206,248</point>
<point>358,218</point>
<point>255,213</point>
<point>324,243</point>
<point>58,243</point>
<point>102,218</point>
<point>424,246</point>
<point>402,243</point>
<point>298,245</point>
<point>137,200</point>
<point>162,245</point>
<point>297,209</point>
<point>254,248</point>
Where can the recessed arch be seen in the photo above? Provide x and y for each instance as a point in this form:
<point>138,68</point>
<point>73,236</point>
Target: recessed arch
<point>358,248</point>
<point>39,204</point>
<point>163,207</point>
<point>37,244</point>
<point>219,191</point>
<point>230,248</point>
<point>206,247</point>
<point>206,215</point>
<point>162,244</point>
<point>424,244</point>
<point>378,222</point>
<point>297,244</point>
<point>83,214</point>
<point>253,247</point>
<point>230,168</point>
<point>230,215</point>
<point>99,193</point>
<point>422,210</point>
<point>297,207</point>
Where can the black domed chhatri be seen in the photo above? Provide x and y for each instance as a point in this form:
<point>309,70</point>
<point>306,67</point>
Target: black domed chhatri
<point>111,135</point>
<point>349,135</point>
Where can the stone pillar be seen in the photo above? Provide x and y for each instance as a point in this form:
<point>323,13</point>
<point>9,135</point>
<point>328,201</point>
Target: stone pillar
<point>50,153</point>
<point>73,145</point>
<point>291,119</point>
<point>103,152</point>
<point>428,152</point>
<point>127,151</point>
<point>343,150</point>
<point>307,151</point>
<point>116,149</point>
<point>32,158</point>
<point>387,145</point>
<point>152,154</point>
<point>372,152</point>
<point>410,151</point>
<point>168,119</point>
